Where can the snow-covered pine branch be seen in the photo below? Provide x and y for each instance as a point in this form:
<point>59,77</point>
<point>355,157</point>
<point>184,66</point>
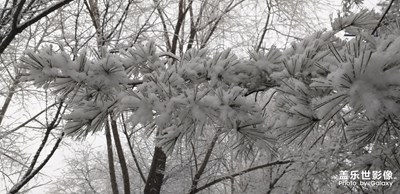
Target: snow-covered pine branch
<point>178,100</point>
<point>320,79</point>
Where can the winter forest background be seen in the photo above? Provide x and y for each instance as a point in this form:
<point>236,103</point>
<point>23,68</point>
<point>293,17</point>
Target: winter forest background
<point>208,96</point>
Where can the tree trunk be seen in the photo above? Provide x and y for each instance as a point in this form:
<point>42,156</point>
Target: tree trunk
<point>111,167</point>
<point>156,174</point>
<point>121,157</point>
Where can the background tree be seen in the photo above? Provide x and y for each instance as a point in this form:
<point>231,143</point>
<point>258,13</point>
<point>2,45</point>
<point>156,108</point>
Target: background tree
<point>24,26</point>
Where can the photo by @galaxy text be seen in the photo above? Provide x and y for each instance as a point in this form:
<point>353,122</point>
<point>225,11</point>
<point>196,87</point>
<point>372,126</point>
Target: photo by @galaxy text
<point>366,178</point>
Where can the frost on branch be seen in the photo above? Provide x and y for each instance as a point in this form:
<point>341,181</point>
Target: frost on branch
<point>328,82</point>
<point>366,78</point>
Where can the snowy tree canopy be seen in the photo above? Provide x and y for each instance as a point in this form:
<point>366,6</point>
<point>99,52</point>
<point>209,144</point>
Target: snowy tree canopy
<point>321,80</point>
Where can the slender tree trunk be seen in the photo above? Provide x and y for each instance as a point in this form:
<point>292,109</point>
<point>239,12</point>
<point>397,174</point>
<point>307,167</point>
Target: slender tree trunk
<point>130,146</point>
<point>111,167</point>
<point>194,26</point>
<point>121,157</point>
<point>156,174</point>
<point>265,27</point>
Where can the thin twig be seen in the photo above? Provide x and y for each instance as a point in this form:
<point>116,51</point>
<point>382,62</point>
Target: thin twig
<point>383,17</point>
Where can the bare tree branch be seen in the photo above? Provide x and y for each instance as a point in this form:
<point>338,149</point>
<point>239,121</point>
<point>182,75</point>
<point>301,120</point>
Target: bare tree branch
<point>16,29</point>
<point>240,173</point>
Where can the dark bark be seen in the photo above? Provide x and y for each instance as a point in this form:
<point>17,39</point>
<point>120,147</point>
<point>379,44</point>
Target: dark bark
<point>181,17</point>
<point>113,179</point>
<point>156,174</point>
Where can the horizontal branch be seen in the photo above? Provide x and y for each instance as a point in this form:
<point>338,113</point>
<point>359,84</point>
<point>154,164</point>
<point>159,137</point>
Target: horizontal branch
<point>242,172</point>
<point>26,122</point>
<point>18,28</point>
